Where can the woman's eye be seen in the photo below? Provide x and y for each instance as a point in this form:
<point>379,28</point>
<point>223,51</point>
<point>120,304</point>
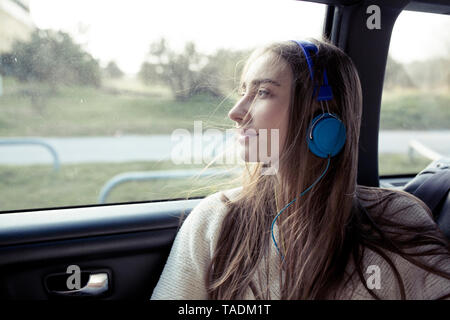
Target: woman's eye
<point>263,93</point>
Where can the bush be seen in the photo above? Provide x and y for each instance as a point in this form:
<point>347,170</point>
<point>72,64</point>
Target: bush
<point>190,73</point>
<point>113,71</point>
<point>415,110</point>
<point>51,57</point>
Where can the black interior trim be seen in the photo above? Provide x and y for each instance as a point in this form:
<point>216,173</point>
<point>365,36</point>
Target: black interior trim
<point>49,225</point>
<point>430,6</point>
<point>93,247</point>
<point>363,45</point>
<point>328,22</point>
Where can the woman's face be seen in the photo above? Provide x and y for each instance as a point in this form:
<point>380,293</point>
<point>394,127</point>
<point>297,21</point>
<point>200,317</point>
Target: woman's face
<point>264,104</point>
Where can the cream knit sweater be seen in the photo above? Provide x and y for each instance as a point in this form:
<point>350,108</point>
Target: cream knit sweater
<point>193,248</point>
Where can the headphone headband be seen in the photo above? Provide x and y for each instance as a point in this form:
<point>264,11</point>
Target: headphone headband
<point>325,92</point>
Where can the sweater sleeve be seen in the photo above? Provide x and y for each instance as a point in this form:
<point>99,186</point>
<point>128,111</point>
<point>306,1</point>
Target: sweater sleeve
<point>183,276</point>
<point>427,285</point>
<point>419,283</point>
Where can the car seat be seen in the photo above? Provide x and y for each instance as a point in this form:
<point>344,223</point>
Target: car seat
<point>432,186</point>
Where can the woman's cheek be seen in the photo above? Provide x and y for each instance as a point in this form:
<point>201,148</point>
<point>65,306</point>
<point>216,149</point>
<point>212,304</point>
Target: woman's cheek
<point>268,117</point>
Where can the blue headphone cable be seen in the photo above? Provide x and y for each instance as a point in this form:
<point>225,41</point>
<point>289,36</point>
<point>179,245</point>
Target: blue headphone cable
<point>286,206</point>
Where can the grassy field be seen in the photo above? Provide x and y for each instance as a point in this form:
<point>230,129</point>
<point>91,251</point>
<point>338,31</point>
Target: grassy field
<point>127,107</point>
<point>84,111</point>
<point>26,187</point>
<point>394,164</point>
<point>404,109</point>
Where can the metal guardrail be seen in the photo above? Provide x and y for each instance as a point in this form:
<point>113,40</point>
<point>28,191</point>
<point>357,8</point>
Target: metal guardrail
<point>416,146</point>
<point>34,141</point>
<point>158,175</point>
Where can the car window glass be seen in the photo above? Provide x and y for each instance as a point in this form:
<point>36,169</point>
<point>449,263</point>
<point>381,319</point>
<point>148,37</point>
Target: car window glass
<point>92,92</point>
<point>415,110</point>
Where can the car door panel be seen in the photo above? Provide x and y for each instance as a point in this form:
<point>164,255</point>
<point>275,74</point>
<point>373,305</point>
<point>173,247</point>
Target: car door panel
<point>130,241</point>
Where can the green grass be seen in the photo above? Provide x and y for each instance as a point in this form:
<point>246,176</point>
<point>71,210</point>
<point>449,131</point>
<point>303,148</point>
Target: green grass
<point>37,186</point>
<point>394,164</point>
<point>126,106</point>
<point>415,110</point>
<point>85,111</point>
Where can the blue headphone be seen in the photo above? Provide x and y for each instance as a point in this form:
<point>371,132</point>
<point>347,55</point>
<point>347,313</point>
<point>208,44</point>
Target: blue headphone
<point>326,134</point>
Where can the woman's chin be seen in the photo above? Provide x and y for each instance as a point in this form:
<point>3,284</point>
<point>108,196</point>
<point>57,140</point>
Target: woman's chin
<point>248,155</point>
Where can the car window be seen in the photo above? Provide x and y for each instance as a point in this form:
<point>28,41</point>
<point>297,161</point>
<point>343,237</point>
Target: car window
<point>415,109</point>
<point>111,101</point>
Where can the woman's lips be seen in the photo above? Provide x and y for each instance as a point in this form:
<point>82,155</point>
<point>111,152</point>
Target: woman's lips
<point>244,134</point>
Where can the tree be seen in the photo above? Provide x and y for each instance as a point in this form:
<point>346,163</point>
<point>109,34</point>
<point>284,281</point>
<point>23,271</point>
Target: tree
<point>46,61</point>
<point>183,72</point>
<point>432,73</point>
<point>396,75</point>
<point>113,71</point>
<point>54,58</point>
<point>151,73</point>
<point>224,68</point>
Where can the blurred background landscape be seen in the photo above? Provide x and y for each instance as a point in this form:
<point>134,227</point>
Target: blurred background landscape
<point>104,117</point>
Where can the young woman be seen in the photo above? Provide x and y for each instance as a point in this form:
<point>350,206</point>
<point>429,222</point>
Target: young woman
<point>307,231</point>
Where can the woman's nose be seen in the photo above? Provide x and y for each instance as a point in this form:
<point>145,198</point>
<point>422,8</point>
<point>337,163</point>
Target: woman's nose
<point>239,112</point>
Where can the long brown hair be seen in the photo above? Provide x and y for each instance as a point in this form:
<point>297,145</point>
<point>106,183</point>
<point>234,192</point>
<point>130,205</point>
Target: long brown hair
<point>321,231</point>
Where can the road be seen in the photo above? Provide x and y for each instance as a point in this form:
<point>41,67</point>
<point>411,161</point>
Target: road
<point>159,147</point>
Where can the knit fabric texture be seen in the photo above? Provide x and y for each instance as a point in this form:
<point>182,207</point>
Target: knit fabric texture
<point>183,276</point>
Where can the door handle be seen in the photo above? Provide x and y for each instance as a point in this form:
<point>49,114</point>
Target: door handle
<point>97,284</point>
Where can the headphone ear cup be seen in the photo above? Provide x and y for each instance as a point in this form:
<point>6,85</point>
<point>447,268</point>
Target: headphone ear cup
<point>326,135</point>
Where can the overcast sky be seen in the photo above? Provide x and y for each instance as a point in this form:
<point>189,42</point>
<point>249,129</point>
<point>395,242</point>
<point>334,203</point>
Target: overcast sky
<point>123,30</point>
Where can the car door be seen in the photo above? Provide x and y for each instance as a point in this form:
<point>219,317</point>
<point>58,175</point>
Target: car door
<point>65,236</point>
